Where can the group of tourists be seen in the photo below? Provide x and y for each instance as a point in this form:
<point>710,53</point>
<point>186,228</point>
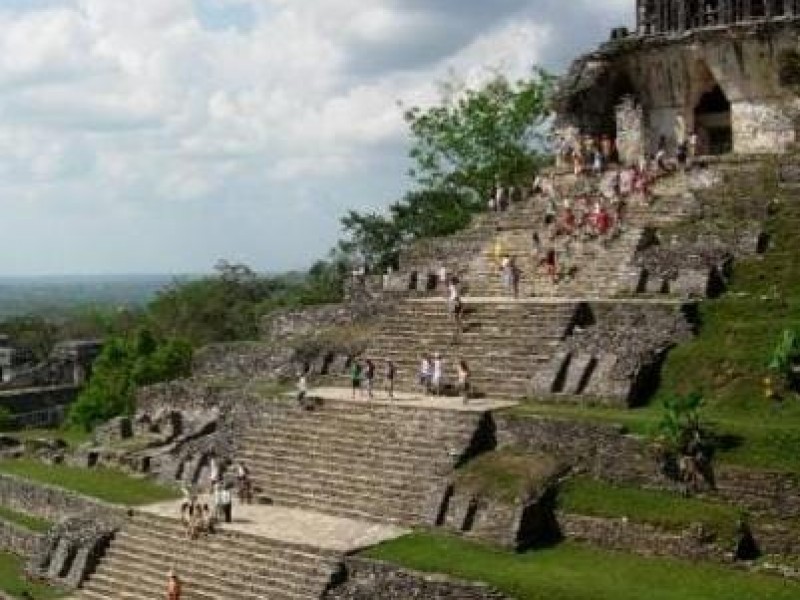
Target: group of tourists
<point>589,154</point>
<point>503,196</point>
<point>362,377</point>
<point>201,513</point>
<point>432,381</point>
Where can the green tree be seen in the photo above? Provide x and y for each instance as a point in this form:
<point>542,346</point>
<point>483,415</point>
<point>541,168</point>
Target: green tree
<point>124,364</point>
<point>420,214</point>
<point>475,136</point>
<point>460,148</point>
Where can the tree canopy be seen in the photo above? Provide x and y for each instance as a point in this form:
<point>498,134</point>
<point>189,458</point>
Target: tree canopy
<point>460,149</point>
<point>476,136</point>
<point>124,364</point>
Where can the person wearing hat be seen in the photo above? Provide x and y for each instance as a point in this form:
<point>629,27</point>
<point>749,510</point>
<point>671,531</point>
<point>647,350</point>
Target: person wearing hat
<point>173,586</point>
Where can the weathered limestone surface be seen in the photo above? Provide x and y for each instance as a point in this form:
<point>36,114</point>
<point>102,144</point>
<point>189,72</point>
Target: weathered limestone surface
<point>607,452</point>
<point>646,540</point>
<point>17,539</point>
<point>668,75</point>
<point>72,549</point>
<point>50,502</point>
<point>375,580</point>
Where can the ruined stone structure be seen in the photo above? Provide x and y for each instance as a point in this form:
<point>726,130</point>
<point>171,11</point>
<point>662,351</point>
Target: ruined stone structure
<point>596,336</point>
<point>727,70</point>
<point>38,393</point>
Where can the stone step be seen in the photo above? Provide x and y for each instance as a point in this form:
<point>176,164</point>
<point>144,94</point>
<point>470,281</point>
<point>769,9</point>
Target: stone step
<point>366,508</point>
<point>223,565</point>
<point>368,494</point>
<point>322,462</point>
<point>314,424</point>
<point>331,450</point>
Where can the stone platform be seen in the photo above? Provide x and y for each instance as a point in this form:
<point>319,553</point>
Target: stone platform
<point>294,526</point>
<point>547,300</point>
<point>403,399</point>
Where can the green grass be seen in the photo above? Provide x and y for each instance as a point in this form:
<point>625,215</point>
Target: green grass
<point>104,484</point>
<point>13,582</point>
<point>663,509</point>
<point>73,436</point>
<point>24,520</point>
<point>728,361</point>
<point>764,440</point>
<point>574,572</point>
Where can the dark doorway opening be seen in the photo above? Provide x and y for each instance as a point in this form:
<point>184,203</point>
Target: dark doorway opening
<point>712,117</point>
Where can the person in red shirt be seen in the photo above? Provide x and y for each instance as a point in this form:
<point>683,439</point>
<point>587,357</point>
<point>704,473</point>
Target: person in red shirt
<point>173,586</point>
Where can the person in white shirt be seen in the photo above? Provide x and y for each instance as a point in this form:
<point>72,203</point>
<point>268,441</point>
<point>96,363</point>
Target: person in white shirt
<point>226,503</point>
<point>425,374</point>
<point>436,377</point>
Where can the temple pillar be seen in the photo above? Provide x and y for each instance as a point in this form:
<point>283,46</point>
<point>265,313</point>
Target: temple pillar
<point>726,11</point>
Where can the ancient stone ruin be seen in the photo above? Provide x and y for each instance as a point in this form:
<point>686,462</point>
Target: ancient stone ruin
<point>595,333</point>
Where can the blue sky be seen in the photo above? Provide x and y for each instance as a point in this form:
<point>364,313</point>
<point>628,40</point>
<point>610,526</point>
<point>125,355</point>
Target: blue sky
<point>162,135</point>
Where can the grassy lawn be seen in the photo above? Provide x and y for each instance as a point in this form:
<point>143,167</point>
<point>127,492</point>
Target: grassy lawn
<point>104,484</point>
<point>12,580</point>
<point>73,436</point>
<point>666,510</point>
<point>24,520</point>
<point>574,572</point>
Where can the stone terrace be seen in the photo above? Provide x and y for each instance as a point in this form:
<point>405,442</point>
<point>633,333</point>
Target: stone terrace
<point>502,342</point>
<point>229,564</point>
<point>383,461</point>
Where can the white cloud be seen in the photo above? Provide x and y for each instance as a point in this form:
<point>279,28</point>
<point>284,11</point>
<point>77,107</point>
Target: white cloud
<point>152,111</point>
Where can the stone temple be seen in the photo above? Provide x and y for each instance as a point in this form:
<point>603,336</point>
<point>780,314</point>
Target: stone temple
<point>334,472</point>
<point>728,70</point>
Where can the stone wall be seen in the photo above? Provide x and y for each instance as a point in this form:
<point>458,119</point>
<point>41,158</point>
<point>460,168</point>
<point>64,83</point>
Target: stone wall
<point>40,407</point>
<point>50,502</point>
<point>627,536</point>
<point>285,324</point>
<point>244,359</point>
<point>601,450</point>
<point>17,539</point>
<point>669,75</point>
<point>606,452</point>
<point>320,339</point>
<point>612,353</point>
<point>375,580</point>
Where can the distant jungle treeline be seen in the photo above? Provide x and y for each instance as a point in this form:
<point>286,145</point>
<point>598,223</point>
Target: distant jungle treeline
<point>461,149</point>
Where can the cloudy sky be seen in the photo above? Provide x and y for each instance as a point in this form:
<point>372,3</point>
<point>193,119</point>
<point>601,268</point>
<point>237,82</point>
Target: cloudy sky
<point>161,135</point>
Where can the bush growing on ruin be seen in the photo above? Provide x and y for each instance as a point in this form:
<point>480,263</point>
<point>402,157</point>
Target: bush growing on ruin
<point>785,358</point>
<point>124,364</point>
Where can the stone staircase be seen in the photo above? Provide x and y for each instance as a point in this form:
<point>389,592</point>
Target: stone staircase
<point>233,566</point>
<point>600,269</point>
<point>503,343</point>
<point>369,461</point>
